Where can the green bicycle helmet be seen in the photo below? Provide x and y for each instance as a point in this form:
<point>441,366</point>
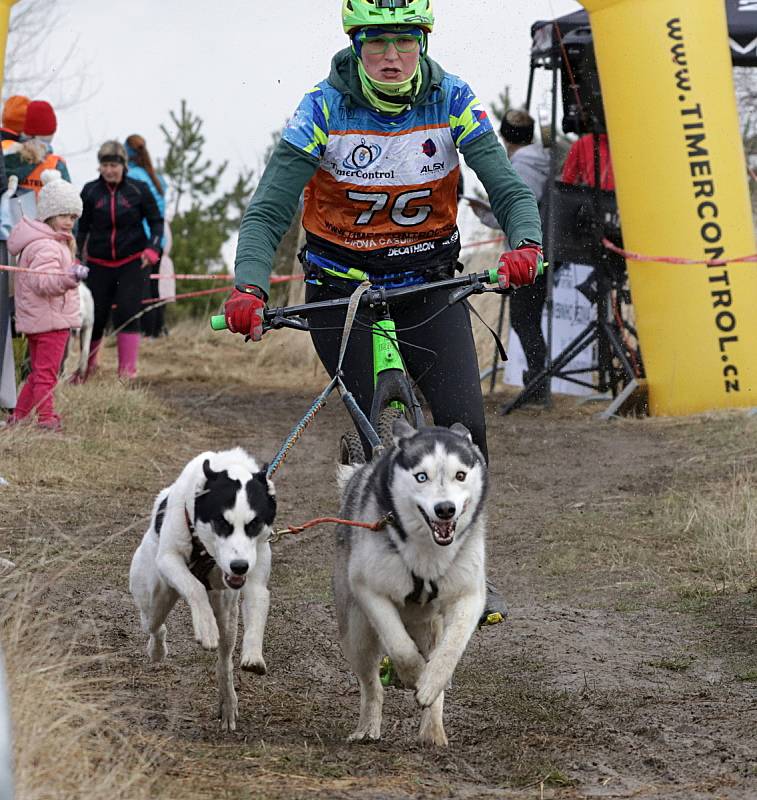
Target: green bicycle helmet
<point>366,13</point>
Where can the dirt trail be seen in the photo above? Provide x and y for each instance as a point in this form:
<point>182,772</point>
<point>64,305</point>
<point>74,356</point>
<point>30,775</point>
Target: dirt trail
<point>604,682</point>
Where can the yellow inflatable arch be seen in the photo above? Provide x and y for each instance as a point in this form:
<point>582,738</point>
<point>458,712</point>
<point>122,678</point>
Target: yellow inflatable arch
<point>682,190</point>
<point>5,13</point>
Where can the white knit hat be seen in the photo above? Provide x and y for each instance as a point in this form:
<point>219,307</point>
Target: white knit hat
<point>57,196</point>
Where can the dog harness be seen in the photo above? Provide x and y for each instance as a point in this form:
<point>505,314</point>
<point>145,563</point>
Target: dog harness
<point>200,562</point>
<point>419,586</point>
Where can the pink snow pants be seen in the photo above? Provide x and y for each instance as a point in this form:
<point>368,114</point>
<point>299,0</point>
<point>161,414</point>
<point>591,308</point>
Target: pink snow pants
<point>46,351</point>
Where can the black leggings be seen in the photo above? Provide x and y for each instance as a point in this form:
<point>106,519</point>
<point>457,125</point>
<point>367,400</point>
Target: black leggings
<point>439,354</point>
<point>526,305</point>
<point>119,285</point>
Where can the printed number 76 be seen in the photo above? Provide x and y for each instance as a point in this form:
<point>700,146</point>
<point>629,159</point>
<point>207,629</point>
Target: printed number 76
<point>400,213</point>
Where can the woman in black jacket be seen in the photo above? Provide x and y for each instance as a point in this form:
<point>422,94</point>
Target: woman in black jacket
<point>112,240</point>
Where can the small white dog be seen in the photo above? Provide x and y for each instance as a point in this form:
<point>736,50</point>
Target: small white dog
<point>208,542</point>
<point>83,333</point>
<point>87,308</point>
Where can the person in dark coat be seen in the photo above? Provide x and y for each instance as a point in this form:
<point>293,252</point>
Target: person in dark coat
<point>116,248</point>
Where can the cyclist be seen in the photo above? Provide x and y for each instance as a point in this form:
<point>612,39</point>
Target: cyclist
<point>375,148</point>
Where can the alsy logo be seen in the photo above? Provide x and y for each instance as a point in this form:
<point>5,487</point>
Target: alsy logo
<point>429,148</point>
<point>362,156</point>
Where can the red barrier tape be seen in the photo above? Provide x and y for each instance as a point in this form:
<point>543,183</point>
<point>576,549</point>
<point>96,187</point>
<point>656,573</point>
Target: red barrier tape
<point>712,262</point>
<point>186,295</point>
<point>483,241</point>
<point>5,268</point>
<point>213,277</point>
<point>193,277</point>
<point>274,278</point>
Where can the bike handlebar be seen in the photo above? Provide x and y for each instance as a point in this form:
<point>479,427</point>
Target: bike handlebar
<point>473,281</point>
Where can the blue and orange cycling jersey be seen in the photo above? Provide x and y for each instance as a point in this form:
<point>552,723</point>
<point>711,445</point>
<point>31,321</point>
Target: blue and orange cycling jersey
<point>386,186</point>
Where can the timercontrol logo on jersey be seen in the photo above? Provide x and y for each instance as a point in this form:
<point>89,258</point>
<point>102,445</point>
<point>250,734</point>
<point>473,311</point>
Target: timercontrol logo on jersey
<point>362,156</point>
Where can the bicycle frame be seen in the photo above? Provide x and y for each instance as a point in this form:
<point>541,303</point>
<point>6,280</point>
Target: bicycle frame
<point>392,387</point>
<point>390,378</point>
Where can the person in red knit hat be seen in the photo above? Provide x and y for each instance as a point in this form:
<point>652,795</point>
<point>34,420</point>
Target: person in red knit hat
<point>40,120</point>
<point>28,158</point>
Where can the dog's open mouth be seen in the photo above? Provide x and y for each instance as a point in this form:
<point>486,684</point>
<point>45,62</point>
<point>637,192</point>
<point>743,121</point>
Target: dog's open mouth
<point>443,531</point>
<point>234,581</point>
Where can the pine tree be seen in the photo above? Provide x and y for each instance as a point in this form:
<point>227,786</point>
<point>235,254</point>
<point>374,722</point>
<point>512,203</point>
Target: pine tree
<point>204,216</point>
<point>502,104</point>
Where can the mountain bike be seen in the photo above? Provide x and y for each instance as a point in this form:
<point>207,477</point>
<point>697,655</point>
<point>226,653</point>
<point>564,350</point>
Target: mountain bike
<point>394,394</point>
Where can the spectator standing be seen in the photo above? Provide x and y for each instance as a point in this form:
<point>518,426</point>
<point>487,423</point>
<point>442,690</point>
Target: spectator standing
<point>112,237</point>
<point>140,168</point>
<point>47,299</point>
<point>14,116</point>
<point>531,162</point>
<point>28,158</point>
<point>579,164</point>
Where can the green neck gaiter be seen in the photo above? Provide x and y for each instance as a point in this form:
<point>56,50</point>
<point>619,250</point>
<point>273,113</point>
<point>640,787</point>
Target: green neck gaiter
<point>391,98</point>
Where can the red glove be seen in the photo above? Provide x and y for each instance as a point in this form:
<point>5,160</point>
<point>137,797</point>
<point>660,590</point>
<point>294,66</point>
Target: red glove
<point>243,312</point>
<point>520,267</point>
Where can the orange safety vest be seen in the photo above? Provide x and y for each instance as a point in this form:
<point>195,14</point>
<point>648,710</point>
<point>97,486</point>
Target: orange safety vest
<point>33,180</point>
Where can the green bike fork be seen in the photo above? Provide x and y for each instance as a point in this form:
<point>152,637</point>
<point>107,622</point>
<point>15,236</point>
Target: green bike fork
<point>386,351</point>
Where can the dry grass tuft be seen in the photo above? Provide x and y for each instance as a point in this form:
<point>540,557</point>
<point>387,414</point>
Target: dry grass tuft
<point>118,443</point>
<point>104,423</point>
<point>720,529</point>
<point>68,743</point>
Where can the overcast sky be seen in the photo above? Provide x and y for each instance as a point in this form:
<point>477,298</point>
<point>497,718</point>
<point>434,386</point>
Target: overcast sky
<point>243,65</point>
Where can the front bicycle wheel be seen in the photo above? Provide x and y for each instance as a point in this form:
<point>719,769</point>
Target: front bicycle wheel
<point>351,446</point>
<point>351,449</point>
<point>386,420</point>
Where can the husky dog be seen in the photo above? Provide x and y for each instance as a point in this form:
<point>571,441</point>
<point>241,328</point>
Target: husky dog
<point>208,543</point>
<point>416,589</point>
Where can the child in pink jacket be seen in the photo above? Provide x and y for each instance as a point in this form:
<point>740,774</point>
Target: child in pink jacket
<point>47,297</point>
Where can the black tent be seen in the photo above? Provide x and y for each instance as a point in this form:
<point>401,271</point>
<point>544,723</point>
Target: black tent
<point>742,32</point>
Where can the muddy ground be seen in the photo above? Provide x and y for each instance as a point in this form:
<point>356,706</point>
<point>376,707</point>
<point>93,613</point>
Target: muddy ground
<point>620,673</point>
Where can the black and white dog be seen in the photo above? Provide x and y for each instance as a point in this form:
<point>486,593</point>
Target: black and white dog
<point>208,542</point>
<point>416,590</point>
